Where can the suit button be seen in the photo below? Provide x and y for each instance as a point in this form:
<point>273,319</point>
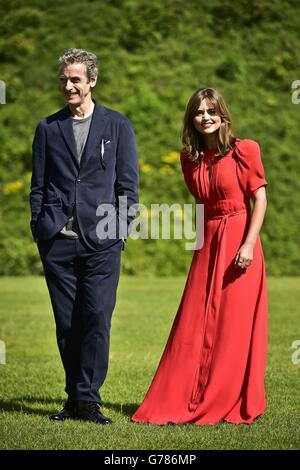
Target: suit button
<point>78,180</point>
<point>72,204</point>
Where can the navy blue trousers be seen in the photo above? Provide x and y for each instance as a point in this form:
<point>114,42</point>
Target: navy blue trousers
<point>82,285</point>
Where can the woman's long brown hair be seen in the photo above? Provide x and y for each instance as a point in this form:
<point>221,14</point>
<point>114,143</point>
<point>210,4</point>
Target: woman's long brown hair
<point>193,141</point>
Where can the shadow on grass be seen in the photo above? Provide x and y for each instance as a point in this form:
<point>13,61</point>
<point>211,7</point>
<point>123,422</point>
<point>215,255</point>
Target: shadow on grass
<point>126,409</point>
<point>24,405</point>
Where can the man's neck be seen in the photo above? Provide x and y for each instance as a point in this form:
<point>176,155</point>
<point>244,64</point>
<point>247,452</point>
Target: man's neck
<point>83,110</point>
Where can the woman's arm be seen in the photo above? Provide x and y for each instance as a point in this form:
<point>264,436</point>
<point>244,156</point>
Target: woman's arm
<point>244,256</point>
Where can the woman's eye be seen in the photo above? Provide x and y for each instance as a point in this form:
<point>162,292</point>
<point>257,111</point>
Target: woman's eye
<point>211,112</point>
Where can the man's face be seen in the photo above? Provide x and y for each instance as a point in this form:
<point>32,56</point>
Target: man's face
<point>74,84</point>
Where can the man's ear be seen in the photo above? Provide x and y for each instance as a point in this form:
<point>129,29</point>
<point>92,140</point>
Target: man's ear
<point>93,82</point>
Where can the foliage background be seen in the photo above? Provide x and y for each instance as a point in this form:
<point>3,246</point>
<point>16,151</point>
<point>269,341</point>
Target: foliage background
<point>154,54</point>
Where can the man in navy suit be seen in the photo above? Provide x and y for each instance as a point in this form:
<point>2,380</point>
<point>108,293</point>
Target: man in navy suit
<point>84,163</point>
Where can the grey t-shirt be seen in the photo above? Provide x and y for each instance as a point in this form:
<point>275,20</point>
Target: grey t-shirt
<point>81,129</point>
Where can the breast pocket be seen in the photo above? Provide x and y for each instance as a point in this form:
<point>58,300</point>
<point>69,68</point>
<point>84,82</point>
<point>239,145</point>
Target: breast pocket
<point>106,152</point>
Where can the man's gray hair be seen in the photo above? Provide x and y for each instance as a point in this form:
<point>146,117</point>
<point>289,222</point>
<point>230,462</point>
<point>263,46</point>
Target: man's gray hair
<point>79,56</point>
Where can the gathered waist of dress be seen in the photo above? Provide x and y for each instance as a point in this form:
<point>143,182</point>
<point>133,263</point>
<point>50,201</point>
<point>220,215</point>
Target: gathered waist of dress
<point>224,208</point>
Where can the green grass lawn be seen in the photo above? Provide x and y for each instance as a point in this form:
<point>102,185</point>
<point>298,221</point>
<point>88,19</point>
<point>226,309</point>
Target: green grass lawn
<point>32,380</point>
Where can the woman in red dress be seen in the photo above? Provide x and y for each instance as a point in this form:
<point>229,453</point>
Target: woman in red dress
<point>213,365</point>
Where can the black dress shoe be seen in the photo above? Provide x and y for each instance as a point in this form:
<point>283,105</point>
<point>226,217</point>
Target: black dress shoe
<point>68,412</point>
<point>90,411</point>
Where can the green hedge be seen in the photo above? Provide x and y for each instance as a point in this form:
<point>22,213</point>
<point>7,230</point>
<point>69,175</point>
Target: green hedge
<point>153,55</point>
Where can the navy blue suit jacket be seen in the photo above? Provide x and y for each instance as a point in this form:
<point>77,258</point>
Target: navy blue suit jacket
<point>61,187</point>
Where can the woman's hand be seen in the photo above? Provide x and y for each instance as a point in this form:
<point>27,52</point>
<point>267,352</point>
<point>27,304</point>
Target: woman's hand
<point>244,256</point>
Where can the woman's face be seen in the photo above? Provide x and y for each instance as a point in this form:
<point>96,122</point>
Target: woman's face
<point>207,121</point>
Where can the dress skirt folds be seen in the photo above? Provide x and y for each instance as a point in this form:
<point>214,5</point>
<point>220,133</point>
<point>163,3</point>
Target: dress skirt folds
<point>213,365</point>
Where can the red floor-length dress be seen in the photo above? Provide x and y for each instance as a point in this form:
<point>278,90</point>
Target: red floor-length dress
<point>213,365</point>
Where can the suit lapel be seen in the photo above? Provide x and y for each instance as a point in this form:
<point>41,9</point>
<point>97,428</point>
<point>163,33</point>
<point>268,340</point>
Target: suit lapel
<point>96,133</point>
<point>65,124</point>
